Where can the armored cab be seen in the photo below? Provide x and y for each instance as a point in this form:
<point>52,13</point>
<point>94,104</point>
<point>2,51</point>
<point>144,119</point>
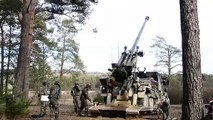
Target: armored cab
<point>128,91</point>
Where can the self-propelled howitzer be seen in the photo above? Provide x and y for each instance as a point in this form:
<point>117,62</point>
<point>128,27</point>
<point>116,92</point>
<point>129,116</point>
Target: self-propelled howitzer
<point>127,59</point>
<point>123,72</point>
<point>128,91</point>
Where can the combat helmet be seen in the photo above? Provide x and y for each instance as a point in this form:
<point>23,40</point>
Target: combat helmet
<point>76,84</point>
<point>44,82</point>
<point>57,82</point>
<point>88,85</point>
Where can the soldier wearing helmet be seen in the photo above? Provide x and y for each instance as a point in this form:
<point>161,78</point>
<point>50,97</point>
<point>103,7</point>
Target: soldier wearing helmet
<point>84,97</point>
<point>75,92</point>
<point>54,96</point>
<point>43,91</point>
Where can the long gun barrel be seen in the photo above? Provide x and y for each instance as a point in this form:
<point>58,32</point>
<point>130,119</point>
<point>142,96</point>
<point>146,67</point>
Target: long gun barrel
<point>139,34</point>
<point>124,57</point>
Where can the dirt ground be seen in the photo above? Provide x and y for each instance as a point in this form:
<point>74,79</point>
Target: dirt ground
<point>66,113</point>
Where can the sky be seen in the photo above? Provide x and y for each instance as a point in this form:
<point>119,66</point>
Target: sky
<point>119,21</point>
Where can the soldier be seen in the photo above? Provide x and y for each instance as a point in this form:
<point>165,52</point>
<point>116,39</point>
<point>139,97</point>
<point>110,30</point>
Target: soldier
<point>75,92</point>
<point>165,106</point>
<point>54,97</point>
<point>43,91</point>
<point>84,97</point>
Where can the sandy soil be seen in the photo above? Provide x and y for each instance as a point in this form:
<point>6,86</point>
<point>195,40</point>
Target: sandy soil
<point>66,113</point>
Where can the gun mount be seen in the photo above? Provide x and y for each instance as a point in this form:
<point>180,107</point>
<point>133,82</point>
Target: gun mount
<point>122,72</point>
<point>128,91</point>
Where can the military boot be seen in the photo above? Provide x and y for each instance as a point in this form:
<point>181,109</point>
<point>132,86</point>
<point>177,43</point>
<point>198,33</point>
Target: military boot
<point>56,116</point>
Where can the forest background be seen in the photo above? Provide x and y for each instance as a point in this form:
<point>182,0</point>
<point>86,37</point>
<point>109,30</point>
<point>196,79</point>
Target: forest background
<point>37,44</point>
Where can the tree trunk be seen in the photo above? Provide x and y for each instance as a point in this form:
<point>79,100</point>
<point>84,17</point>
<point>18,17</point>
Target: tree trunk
<point>2,60</point>
<point>8,61</point>
<point>62,61</point>
<point>22,74</point>
<point>192,78</point>
<point>169,63</point>
<point>43,68</point>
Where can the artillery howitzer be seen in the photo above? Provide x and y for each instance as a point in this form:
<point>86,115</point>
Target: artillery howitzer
<point>128,91</point>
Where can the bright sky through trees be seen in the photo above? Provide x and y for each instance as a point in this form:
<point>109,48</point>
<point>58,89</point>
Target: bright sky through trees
<point>119,21</point>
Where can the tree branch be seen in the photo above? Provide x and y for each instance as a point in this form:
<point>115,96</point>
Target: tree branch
<point>175,66</point>
<point>28,7</point>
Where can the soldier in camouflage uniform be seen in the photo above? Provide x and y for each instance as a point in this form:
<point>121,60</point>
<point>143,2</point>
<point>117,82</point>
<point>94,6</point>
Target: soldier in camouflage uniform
<point>84,97</point>
<point>54,104</point>
<point>43,91</point>
<point>75,92</point>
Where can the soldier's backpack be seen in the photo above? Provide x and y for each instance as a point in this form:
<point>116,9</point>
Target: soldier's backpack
<point>75,91</point>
